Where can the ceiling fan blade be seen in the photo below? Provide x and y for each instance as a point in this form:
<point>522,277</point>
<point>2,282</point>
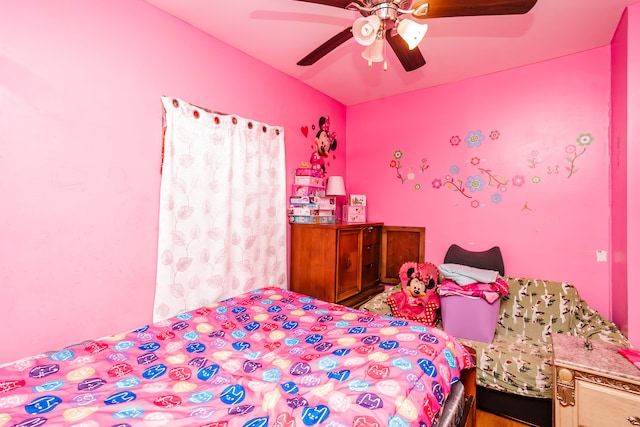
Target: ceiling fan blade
<point>335,3</point>
<point>451,8</point>
<point>410,59</point>
<point>326,47</point>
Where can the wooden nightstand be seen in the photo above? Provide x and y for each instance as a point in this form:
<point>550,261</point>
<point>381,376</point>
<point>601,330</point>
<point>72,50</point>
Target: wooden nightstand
<point>596,387</point>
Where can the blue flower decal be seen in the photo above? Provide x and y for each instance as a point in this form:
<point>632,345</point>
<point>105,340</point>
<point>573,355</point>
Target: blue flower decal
<point>474,139</point>
<point>475,183</point>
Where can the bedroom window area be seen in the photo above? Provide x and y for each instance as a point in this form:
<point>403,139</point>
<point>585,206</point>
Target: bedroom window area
<point>222,221</point>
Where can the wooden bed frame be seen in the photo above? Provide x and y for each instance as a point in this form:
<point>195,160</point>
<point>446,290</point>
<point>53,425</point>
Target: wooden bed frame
<point>468,378</point>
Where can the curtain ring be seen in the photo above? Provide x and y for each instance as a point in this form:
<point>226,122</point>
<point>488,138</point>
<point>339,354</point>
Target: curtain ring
<point>216,120</point>
<point>196,114</point>
<point>234,120</point>
<point>175,103</point>
<point>250,125</point>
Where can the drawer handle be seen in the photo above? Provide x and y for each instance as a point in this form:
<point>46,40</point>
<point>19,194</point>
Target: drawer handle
<point>369,265</point>
<point>369,229</point>
<point>635,421</point>
<point>368,247</point>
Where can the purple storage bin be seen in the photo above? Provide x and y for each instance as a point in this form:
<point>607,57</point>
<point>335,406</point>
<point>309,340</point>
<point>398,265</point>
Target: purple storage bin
<point>470,318</point>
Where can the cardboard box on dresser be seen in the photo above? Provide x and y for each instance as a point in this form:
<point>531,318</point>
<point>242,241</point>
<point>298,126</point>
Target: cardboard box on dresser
<point>308,203</point>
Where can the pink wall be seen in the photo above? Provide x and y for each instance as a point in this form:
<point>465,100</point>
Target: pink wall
<point>625,178</point>
<point>80,119</point>
<point>619,219</point>
<point>633,174</point>
<point>548,219</point>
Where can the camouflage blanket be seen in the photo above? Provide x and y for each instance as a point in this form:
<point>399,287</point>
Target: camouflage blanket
<point>518,360</point>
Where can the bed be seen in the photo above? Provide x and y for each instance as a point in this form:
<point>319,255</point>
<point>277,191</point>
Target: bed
<point>270,357</point>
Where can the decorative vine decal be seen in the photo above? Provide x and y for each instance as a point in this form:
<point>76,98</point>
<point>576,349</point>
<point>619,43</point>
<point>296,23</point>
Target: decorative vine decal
<point>476,181</point>
<point>395,163</point>
<point>583,140</point>
<point>451,183</point>
<point>502,185</point>
<point>534,159</point>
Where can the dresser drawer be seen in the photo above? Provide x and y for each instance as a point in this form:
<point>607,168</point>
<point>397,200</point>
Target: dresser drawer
<point>370,253</point>
<point>370,235</point>
<point>603,406</point>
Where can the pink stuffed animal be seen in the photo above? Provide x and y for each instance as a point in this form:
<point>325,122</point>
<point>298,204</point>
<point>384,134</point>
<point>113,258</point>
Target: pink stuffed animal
<point>419,299</point>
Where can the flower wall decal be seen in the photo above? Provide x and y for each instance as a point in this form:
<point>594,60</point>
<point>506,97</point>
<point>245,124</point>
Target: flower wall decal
<point>410,176</point>
<point>534,159</point>
<point>475,183</point>
<point>583,140</point>
<point>474,139</point>
<point>518,180</point>
<point>476,180</point>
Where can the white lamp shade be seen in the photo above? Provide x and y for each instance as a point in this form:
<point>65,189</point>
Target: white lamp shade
<point>412,32</point>
<point>365,29</point>
<point>374,53</point>
<point>335,186</point>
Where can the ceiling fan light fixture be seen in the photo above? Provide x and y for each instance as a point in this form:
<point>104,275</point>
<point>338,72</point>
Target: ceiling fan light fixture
<point>375,51</point>
<point>412,32</point>
<point>365,30</point>
<point>421,11</point>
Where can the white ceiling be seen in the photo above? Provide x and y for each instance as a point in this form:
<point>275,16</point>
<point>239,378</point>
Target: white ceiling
<point>281,32</point>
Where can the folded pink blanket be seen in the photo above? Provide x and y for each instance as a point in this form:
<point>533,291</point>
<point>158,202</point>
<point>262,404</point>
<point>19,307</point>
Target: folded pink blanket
<point>489,291</point>
<point>632,356</point>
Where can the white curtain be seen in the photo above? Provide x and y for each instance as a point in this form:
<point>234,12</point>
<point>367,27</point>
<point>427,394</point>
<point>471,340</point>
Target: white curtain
<point>222,225</point>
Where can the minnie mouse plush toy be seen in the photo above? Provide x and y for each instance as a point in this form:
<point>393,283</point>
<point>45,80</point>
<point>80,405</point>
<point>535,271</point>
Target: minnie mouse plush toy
<point>418,299</point>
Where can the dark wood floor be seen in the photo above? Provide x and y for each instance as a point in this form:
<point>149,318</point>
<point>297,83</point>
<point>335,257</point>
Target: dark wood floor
<point>486,419</point>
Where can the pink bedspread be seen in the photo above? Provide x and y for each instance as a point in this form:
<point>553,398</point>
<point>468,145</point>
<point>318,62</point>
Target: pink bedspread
<point>270,357</point>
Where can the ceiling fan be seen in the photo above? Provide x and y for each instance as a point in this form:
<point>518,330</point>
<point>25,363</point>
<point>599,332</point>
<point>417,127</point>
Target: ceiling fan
<point>385,20</point>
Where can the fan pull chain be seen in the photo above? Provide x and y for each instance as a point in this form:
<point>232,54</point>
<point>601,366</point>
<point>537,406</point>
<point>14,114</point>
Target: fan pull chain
<point>384,56</point>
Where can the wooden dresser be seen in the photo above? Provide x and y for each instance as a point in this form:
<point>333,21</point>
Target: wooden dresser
<point>342,263</point>
<point>597,387</point>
